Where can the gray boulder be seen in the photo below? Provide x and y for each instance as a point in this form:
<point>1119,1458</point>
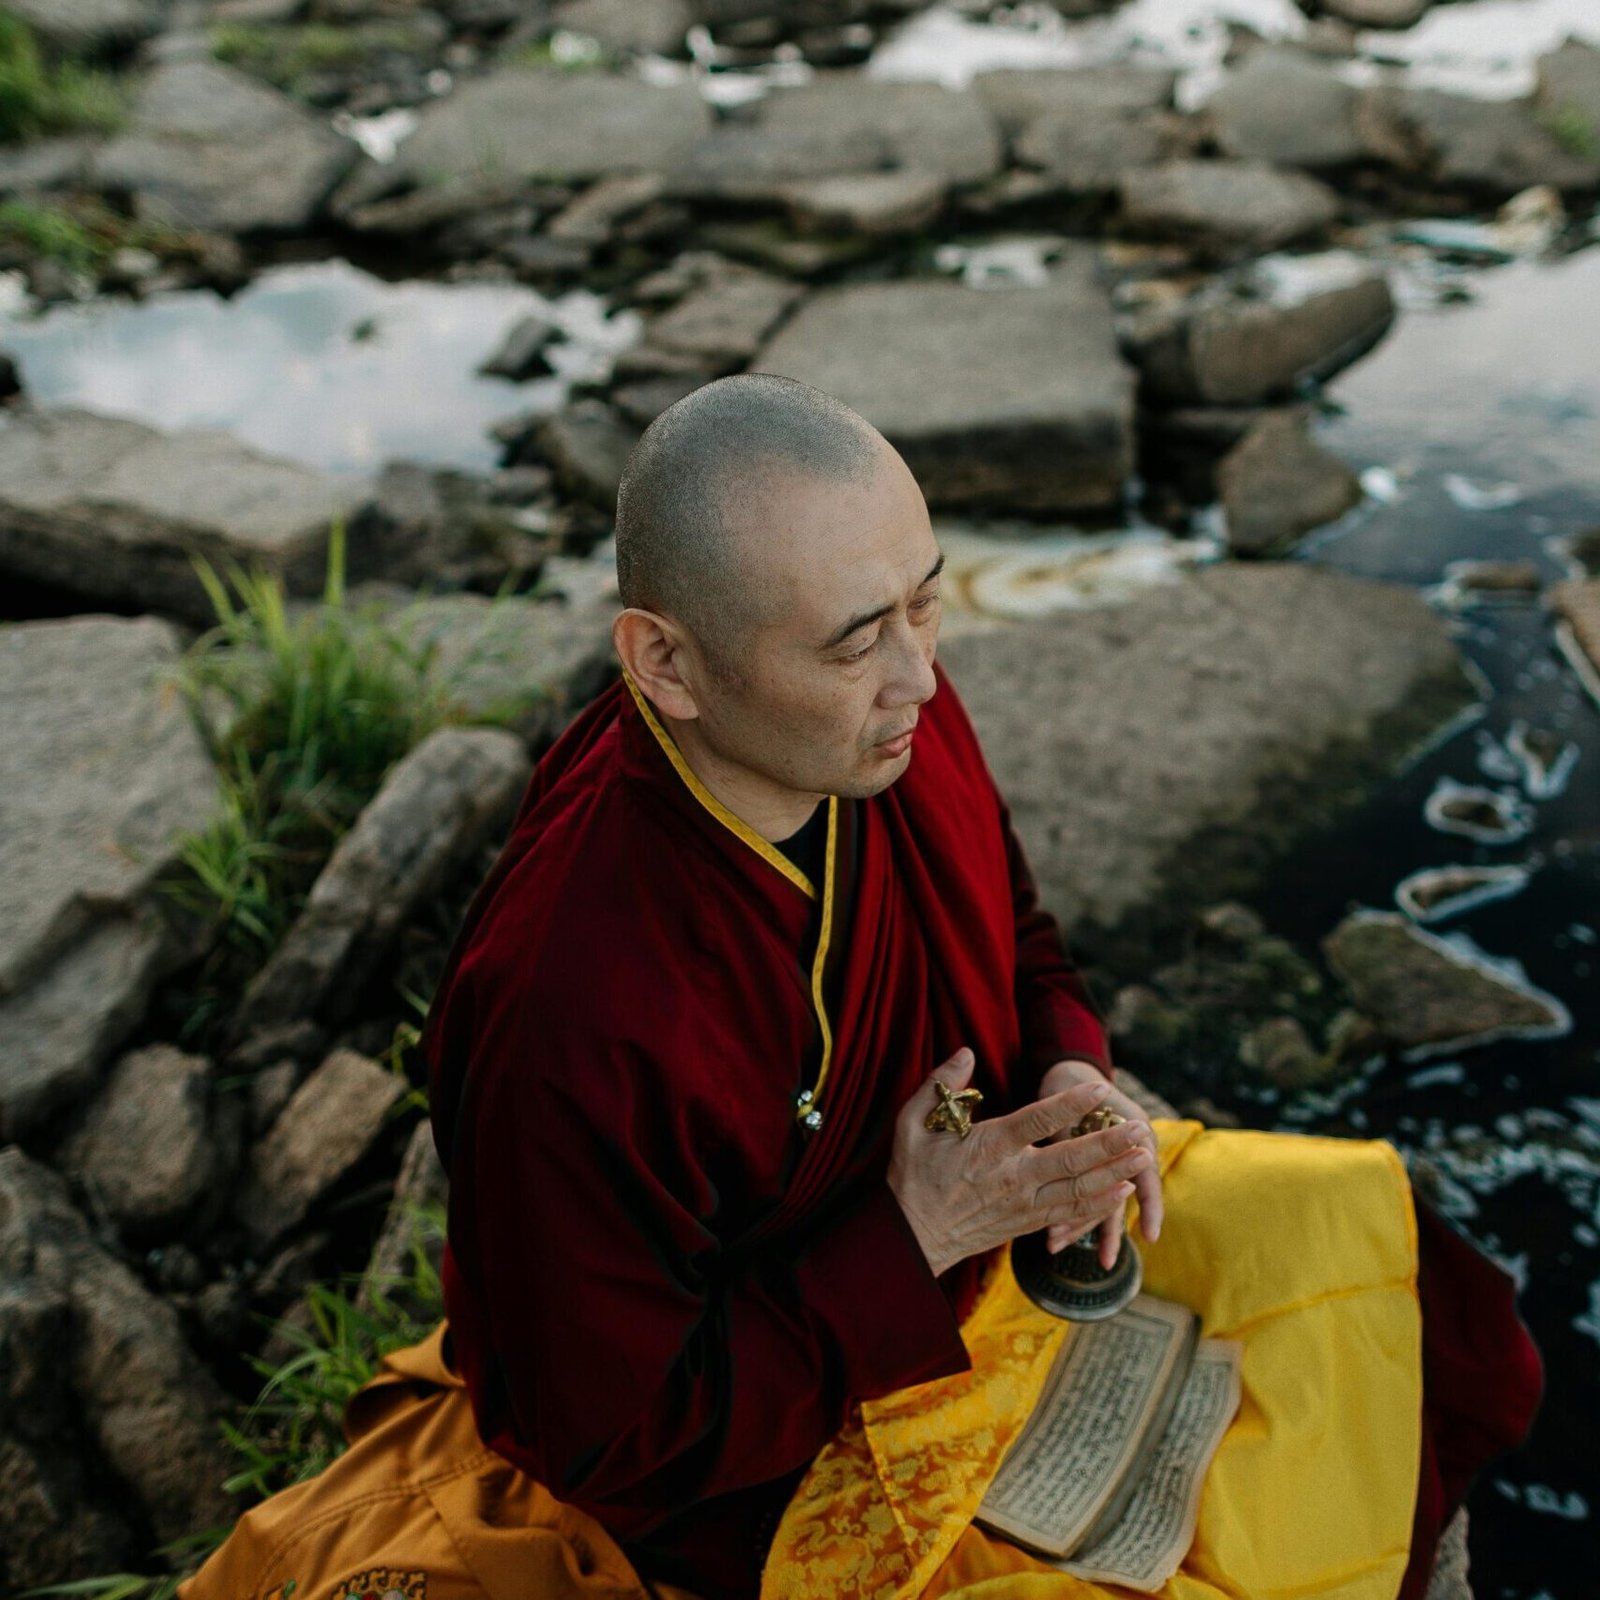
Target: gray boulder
<point>719,325</point>
<point>1282,106</point>
<point>587,445</point>
<point>149,1151</point>
<point>527,123</point>
<point>845,122</point>
<point>329,1125</point>
<point>1071,154</point>
<point>1567,99</point>
<point>132,1383</point>
<point>640,27</point>
<point>864,202</point>
<point>1427,996</point>
<point>438,805</point>
<point>1019,96</point>
<point>1376,13</point>
<point>100,769</point>
<point>1224,349</point>
<point>1014,397</point>
<point>1209,724</point>
<point>113,510</point>
<point>90,27</point>
<point>1278,483</point>
<point>208,147</point>
<point>1491,147</point>
<point>1226,207</point>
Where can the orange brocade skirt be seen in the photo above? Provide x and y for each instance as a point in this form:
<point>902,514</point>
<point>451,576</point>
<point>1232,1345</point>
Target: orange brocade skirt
<point>1304,1248</point>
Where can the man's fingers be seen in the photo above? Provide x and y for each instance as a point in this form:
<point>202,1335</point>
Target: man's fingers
<point>1108,1238</point>
<point>1038,1120</point>
<point>954,1073</point>
<point>1096,1183</point>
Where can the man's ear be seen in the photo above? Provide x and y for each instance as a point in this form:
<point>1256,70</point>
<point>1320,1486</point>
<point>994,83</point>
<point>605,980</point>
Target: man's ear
<point>652,649</point>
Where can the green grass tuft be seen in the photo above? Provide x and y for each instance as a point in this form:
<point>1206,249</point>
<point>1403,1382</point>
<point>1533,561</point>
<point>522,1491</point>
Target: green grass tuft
<point>83,232</point>
<point>38,96</point>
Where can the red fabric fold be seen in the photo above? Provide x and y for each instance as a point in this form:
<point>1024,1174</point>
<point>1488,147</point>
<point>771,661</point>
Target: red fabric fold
<point>1482,1380</point>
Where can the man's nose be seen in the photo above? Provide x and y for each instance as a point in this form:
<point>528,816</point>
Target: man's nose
<point>911,679</point>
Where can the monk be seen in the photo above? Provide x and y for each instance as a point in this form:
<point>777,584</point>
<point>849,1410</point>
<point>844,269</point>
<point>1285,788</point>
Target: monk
<point>707,1262</point>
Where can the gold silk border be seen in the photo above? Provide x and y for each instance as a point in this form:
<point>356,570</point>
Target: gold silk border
<point>1302,1247</point>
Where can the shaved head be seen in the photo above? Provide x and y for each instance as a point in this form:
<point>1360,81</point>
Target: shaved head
<point>693,501</point>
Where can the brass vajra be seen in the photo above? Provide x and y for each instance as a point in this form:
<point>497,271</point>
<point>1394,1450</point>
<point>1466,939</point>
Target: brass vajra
<point>953,1114</point>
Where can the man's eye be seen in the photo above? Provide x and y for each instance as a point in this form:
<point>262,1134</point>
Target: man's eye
<point>925,601</point>
<point>862,653</point>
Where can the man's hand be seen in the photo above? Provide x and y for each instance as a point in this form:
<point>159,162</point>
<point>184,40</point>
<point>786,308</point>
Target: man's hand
<point>964,1196</point>
<point>1075,1070</point>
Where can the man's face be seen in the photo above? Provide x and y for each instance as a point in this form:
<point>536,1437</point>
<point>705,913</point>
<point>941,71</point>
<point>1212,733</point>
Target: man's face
<point>846,587</point>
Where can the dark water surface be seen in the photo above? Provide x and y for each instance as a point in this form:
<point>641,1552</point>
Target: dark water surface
<point>1504,393</point>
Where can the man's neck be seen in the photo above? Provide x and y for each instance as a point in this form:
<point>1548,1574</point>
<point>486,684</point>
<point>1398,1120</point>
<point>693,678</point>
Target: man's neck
<point>771,810</point>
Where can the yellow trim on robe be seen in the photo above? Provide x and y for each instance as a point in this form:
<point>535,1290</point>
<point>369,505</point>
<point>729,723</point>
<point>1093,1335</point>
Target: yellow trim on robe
<point>762,847</point>
<point>768,852</point>
<point>1302,1247</point>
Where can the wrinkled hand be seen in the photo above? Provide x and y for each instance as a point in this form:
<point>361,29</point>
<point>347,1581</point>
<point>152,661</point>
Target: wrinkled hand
<point>1147,1184</point>
<point>964,1196</point>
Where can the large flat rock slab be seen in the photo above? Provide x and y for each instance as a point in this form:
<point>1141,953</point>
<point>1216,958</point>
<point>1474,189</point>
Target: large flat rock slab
<point>525,123</point>
<point>111,509</point>
<point>1012,397</point>
<point>100,769</point>
<point>1161,754</point>
<point>209,147</point>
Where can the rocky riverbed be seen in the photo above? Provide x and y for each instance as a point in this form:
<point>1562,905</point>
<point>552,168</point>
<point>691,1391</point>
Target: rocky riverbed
<point>1244,355</point>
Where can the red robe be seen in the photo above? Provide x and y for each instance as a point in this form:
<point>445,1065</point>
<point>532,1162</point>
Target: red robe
<point>664,1293</point>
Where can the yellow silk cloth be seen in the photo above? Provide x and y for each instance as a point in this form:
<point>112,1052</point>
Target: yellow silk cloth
<point>1303,1248</point>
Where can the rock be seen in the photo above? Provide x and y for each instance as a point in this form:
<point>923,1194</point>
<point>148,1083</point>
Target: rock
<point>148,1150</point>
<point>1074,155</point>
<point>435,808</point>
<point>1278,483</point>
<point>1494,147</point>
<point>528,123</point>
<point>1226,207</point>
<point>421,1188</point>
<point>768,242</point>
<point>637,27</point>
<point>1227,351</point>
<point>445,529</point>
<point>587,444</point>
<point>1282,106</point>
<point>1279,1051</point>
<point>1376,13</point>
<point>923,127</point>
<point>532,664</point>
<point>592,218</point>
<point>90,27</point>
<point>720,324</point>
<point>876,203</point>
<point>1014,397</point>
<point>40,164</point>
<point>1567,99</point>
<point>520,355</point>
<point>138,1392</point>
<point>113,510</point>
<point>270,1091</point>
<point>1211,727</point>
<point>642,402</point>
<point>1019,96</point>
<point>208,147</point>
<point>335,1117</point>
<point>1577,602</point>
<point>100,769</point>
<point>1427,995</point>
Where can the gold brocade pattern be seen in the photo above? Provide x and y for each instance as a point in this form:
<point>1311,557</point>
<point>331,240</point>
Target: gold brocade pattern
<point>1304,1248</point>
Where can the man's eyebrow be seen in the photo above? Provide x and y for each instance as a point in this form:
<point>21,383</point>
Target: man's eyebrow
<point>841,634</point>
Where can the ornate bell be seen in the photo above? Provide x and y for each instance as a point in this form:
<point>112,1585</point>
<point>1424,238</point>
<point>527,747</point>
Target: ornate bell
<point>1071,1283</point>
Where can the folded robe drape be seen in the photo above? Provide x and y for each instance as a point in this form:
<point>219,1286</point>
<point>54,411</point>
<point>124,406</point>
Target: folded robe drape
<point>665,1293</point>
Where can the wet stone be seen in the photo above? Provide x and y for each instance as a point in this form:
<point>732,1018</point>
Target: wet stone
<point>1226,207</point>
<point>208,147</point>
<point>334,1118</point>
<point>1014,396</point>
<point>1283,106</point>
<point>1278,483</point>
<point>1427,996</point>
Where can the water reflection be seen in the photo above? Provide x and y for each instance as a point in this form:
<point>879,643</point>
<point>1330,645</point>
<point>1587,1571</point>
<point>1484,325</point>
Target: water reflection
<point>322,363</point>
